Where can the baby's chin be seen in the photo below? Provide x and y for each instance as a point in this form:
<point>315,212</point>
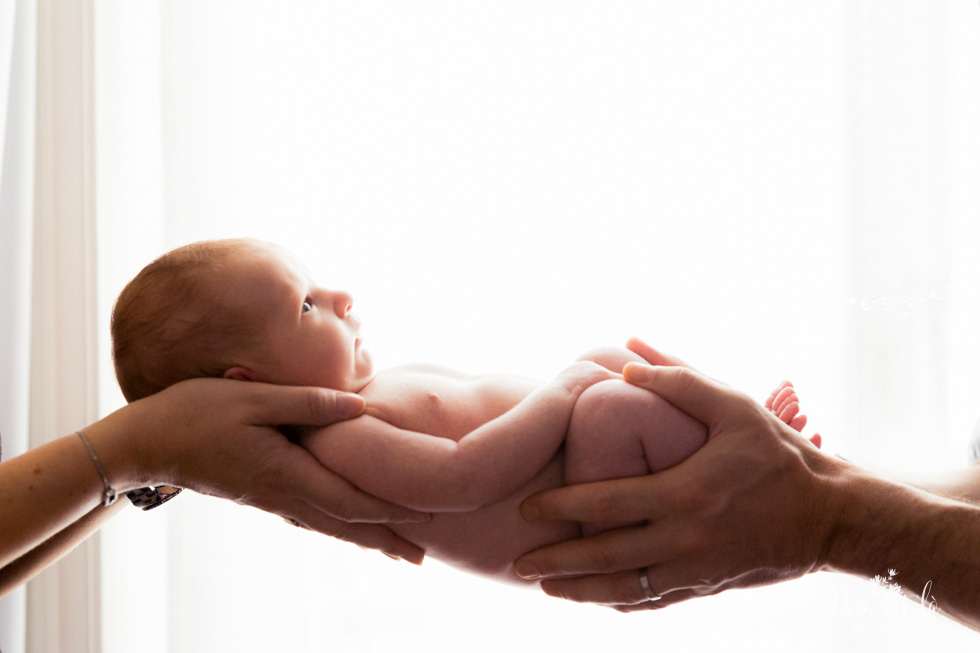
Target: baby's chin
<point>364,383</point>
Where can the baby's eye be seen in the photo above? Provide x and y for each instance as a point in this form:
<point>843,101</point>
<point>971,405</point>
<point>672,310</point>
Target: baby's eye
<point>307,306</point>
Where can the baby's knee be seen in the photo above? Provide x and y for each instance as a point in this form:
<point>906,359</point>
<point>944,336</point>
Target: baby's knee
<point>614,404</point>
<point>618,409</point>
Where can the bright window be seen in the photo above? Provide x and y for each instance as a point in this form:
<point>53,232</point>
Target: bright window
<point>768,189</point>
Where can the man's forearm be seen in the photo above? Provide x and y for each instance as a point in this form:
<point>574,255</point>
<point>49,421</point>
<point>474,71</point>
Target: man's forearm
<point>960,484</point>
<point>930,542</point>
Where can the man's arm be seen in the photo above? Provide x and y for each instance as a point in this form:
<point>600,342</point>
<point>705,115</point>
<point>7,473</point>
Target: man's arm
<point>417,469</point>
<point>958,484</point>
<point>755,506</point>
<point>930,538</point>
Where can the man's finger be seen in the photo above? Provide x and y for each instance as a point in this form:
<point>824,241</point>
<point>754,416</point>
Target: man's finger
<point>617,501</point>
<point>687,390</point>
<point>619,589</point>
<point>668,599</point>
<point>613,551</point>
<point>654,356</point>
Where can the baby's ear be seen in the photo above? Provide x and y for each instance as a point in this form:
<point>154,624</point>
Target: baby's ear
<point>240,374</point>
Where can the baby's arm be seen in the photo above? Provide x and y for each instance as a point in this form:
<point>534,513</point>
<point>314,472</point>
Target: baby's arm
<point>431,473</point>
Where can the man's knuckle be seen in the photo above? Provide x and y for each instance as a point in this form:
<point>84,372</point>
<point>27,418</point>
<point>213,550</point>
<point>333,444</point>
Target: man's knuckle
<point>608,559</point>
<point>690,500</point>
<point>606,503</point>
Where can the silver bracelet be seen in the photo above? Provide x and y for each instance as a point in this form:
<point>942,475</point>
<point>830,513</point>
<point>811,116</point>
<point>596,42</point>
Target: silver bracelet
<point>108,494</point>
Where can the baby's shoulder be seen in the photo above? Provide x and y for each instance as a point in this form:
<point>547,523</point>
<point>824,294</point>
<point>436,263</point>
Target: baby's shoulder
<point>415,370</point>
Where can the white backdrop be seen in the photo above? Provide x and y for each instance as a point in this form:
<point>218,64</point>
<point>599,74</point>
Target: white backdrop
<point>770,189</point>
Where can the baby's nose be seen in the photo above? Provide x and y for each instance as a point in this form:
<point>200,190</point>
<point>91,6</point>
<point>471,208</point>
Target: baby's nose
<point>342,303</point>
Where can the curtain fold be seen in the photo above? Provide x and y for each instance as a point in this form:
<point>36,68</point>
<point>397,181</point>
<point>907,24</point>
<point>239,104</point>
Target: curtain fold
<point>63,602</point>
<point>17,74</point>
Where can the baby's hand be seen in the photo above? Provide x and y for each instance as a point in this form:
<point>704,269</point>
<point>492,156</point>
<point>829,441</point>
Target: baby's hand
<point>582,374</point>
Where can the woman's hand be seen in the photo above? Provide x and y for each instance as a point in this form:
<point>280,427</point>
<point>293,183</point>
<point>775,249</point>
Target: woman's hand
<point>747,509</point>
<point>219,437</point>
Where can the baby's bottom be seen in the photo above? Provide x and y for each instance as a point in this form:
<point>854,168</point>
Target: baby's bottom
<point>619,430</point>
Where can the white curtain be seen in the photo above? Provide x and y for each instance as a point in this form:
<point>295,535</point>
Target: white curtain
<point>17,29</point>
<point>48,343</point>
<point>770,189</point>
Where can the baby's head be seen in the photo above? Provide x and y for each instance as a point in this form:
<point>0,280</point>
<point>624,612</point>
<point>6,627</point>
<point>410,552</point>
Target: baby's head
<point>240,309</point>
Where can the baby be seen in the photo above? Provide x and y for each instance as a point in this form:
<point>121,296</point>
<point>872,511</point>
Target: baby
<point>468,449</point>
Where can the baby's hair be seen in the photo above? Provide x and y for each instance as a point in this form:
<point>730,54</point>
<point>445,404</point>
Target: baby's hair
<point>169,325</point>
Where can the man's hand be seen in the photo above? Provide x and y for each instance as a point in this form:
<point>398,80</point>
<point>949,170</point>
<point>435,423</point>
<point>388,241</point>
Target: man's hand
<point>745,510</point>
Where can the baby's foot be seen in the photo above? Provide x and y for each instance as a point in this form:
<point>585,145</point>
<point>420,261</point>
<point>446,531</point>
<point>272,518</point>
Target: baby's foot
<point>785,404</point>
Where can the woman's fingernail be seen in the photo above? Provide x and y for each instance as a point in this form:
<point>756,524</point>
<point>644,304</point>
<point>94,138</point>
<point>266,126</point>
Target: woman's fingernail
<point>350,405</point>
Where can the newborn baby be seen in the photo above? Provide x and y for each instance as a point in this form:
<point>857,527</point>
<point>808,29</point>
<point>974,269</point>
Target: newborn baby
<point>468,449</point>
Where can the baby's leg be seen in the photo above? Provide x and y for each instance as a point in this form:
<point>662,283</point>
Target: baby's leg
<point>619,430</point>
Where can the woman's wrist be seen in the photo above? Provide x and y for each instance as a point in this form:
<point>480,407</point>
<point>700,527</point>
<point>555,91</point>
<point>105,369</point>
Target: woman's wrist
<point>121,447</point>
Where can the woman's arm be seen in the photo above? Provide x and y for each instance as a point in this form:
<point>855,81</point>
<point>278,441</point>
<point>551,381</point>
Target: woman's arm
<point>210,435</point>
<point>44,491</point>
<point>54,548</point>
<point>439,474</point>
